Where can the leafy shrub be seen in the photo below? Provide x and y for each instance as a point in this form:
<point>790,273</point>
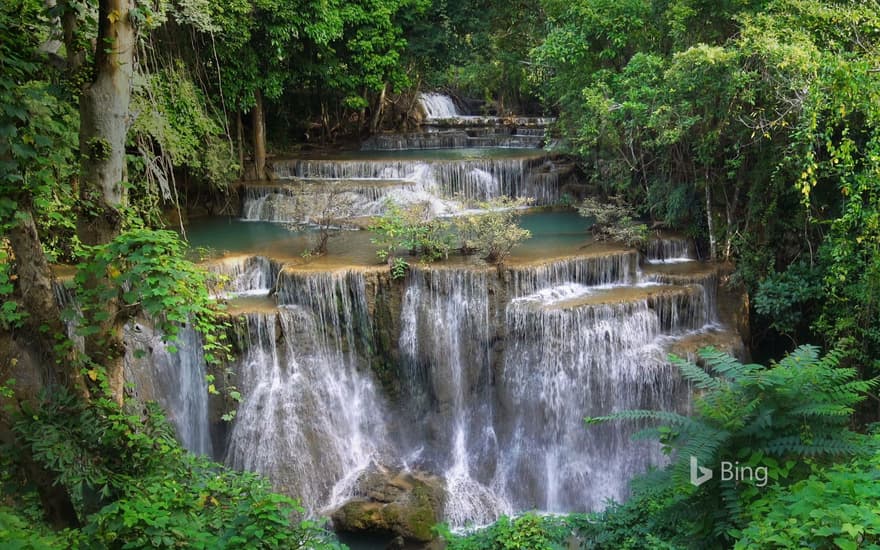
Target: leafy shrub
<point>785,299</point>
<point>412,230</point>
<point>147,271</point>
<point>18,533</point>
<point>135,487</point>
<point>526,532</point>
<point>614,221</point>
<point>834,507</point>
<point>493,232</point>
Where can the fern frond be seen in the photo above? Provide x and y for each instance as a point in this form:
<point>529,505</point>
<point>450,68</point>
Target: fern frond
<point>696,375</point>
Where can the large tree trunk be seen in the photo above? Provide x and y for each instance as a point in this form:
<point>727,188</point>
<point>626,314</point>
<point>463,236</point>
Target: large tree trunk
<point>239,137</point>
<point>259,122</point>
<point>45,335</point>
<point>104,124</point>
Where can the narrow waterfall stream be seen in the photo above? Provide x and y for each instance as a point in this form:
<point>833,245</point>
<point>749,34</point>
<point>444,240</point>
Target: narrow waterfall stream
<point>472,378</point>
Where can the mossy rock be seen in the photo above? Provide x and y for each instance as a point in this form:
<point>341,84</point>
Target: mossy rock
<point>400,503</point>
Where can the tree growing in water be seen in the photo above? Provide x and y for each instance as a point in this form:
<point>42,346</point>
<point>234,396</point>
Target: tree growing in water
<point>494,231</point>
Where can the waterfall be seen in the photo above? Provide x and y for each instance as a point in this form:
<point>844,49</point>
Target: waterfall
<point>245,275</point>
<point>286,203</point>
<point>470,179</point>
<point>669,250</point>
<point>311,415</point>
<point>438,105</point>
<point>563,364</point>
<point>616,267</point>
<point>445,349</point>
<point>494,137</point>
<point>172,374</point>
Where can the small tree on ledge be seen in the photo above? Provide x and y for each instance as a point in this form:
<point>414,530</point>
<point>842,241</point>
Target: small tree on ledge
<point>614,221</point>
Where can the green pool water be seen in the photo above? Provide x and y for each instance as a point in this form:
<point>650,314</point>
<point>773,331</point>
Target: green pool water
<point>553,234</point>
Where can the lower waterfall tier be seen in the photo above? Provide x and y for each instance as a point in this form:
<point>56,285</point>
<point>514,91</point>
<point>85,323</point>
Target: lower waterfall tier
<point>479,376</point>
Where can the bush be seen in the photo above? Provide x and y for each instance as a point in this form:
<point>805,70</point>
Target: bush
<point>526,532</point>
<point>834,507</point>
<point>133,486</point>
<point>614,221</point>
<point>412,230</point>
<point>784,418</point>
<point>494,232</point>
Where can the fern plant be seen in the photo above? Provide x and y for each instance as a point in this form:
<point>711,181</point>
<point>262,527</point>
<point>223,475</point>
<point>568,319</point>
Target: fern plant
<point>783,418</point>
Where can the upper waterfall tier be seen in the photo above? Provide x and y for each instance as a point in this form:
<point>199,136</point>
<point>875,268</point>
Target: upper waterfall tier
<point>670,250</point>
<point>490,137</point>
<point>438,105</point>
<point>445,127</point>
<point>469,175</point>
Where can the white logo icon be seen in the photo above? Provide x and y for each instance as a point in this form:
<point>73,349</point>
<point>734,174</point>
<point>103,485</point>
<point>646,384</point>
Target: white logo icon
<point>705,473</point>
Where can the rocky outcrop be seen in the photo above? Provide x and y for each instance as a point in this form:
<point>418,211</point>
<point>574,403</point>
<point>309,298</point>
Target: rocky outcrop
<point>402,503</point>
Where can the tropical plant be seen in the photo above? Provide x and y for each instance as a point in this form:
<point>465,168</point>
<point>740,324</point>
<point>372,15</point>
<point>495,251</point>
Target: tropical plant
<point>834,507</point>
<point>781,418</point>
<point>135,487</point>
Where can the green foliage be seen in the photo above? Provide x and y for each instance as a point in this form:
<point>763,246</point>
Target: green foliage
<point>11,315</point>
<point>614,221</point>
<point>750,124</point>
<point>785,299</point>
<point>38,131</point>
<point>146,271</point>
<point>526,532</point>
<point>493,232</point>
<point>781,417</point>
<point>412,230</point>
<point>136,487</point>
<point>834,507</point>
<point>19,533</point>
<point>174,113</point>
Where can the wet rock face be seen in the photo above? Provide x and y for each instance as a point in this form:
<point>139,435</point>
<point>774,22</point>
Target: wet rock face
<point>406,504</point>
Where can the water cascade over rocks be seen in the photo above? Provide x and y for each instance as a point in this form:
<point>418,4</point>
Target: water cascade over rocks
<point>357,388</point>
<point>485,157</point>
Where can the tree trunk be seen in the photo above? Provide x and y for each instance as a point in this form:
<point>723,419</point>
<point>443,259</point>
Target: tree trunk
<point>76,55</point>
<point>380,109</point>
<point>35,283</point>
<point>259,122</point>
<point>46,332</point>
<point>104,124</point>
<point>713,246</point>
<point>239,128</point>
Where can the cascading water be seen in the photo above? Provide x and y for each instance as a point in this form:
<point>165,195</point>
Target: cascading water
<point>310,415</point>
<point>438,105</point>
<point>669,250</point>
<point>564,363</point>
<point>245,275</point>
<point>173,374</point>
<point>466,178</point>
<point>445,349</point>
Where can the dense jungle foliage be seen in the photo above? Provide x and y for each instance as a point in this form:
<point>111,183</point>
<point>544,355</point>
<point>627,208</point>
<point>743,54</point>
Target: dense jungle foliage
<point>751,125</point>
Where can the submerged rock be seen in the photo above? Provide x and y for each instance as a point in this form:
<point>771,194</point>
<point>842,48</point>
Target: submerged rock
<point>407,504</point>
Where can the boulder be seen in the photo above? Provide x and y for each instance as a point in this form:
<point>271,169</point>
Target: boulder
<point>399,502</point>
